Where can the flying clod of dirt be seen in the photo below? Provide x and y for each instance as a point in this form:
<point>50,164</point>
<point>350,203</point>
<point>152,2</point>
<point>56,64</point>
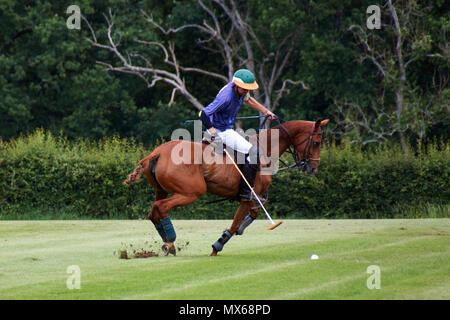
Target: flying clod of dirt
<point>145,254</point>
<point>147,250</point>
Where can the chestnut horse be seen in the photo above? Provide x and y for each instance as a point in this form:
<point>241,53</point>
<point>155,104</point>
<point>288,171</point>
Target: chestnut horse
<point>189,180</point>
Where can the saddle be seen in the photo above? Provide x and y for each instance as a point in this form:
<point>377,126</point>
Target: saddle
<point>221,151</point>
<point>236,155</point>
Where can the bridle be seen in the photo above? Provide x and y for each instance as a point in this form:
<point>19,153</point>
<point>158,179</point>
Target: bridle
<point>302,163</point>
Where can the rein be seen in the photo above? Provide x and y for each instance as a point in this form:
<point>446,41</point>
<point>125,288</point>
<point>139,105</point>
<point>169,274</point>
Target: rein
<point>292,149</point>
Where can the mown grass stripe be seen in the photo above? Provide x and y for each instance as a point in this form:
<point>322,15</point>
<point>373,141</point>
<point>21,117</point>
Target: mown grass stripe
<point>275,267</point>
<point>258,265</point>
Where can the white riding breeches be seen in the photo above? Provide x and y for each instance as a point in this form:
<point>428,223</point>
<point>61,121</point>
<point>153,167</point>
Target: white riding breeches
<point>234,140</point>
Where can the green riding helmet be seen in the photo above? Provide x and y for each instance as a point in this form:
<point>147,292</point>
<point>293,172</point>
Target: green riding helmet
<point>245,79</point>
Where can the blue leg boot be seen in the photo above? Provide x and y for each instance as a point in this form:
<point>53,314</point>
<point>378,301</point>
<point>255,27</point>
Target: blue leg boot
<point>218,245</point>
<point>244,224</point>
<point>161,232</point>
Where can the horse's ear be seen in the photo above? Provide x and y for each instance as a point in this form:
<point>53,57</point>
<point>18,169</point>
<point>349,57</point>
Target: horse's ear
<point>324,122</point>
<point>317,125</point>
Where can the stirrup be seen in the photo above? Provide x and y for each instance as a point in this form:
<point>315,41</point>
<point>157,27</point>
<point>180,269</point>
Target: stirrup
<point>263,201</point>
<point>251,197</point>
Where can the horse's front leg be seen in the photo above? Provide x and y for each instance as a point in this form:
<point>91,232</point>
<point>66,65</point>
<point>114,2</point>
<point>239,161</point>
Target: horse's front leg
<point>248,219</point>
<point>241,211</point>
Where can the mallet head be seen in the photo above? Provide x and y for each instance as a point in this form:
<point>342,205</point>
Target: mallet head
<point>274,225</point>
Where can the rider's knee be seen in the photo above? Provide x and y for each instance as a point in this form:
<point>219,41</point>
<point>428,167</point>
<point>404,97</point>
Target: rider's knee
<point>253,155</point>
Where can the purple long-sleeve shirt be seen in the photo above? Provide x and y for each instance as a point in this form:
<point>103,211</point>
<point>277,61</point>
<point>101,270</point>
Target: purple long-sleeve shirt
<point>223,110</point>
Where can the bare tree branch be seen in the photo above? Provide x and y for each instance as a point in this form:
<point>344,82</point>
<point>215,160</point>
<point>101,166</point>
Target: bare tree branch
<point>169,31</point>
<point>375,58</point>
<point>232,38</point>
<point>284,90</point>
<point>350,117</point>
<point>391,56</point>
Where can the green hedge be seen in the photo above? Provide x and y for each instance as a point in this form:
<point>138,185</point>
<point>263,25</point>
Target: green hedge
<point>42,175</point>
<point>385,183</point>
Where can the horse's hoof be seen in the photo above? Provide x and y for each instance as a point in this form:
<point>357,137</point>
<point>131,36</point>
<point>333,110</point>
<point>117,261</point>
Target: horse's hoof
<point>165,249</point>
<point>213,253</point>
<point>168,249</point>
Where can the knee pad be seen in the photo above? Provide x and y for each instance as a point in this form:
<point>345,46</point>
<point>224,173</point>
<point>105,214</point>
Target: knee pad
<point>168,230</point>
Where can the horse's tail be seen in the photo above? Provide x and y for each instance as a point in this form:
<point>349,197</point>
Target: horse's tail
<point>144,164</point>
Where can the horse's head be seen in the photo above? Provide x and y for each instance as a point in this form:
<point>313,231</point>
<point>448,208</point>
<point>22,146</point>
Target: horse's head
<point>307,143</point>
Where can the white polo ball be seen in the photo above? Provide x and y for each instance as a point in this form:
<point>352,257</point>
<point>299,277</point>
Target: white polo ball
<point>314,257</point>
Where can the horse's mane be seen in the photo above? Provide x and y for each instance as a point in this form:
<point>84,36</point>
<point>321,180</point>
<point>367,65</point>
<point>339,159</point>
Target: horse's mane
<point>294,125</point>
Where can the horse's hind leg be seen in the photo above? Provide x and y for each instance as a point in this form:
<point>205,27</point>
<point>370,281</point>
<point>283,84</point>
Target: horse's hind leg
<point>160,215</point>
<point>153,215</point>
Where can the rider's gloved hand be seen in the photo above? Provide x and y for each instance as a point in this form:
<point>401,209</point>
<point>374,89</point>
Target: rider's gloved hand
<point>215,140</point>
<point>270,115</point>
<point>209,135</point>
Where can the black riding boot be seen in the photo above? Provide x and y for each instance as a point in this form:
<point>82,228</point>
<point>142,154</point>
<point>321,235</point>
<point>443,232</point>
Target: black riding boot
<point>249,171</point>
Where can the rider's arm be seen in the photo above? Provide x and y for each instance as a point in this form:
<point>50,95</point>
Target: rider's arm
<point>221,101</point>
<point>259,107</point>
<point>206,122</point>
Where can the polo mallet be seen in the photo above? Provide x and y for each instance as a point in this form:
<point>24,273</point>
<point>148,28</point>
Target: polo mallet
<point>274,225</point>
<point>238,118</point>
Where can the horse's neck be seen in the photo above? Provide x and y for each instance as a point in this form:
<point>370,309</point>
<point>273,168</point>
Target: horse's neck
<point>283,140</point>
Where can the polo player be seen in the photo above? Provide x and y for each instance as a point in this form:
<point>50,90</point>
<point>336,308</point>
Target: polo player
<point>219,116</point>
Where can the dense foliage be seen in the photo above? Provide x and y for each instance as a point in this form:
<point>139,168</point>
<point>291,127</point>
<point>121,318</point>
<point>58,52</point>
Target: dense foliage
<point>49,77</point>
<point>44,175</point>
<point>383,90</point>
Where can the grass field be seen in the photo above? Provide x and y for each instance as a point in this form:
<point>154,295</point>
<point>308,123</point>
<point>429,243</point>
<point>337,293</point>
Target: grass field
<point>413,257</point>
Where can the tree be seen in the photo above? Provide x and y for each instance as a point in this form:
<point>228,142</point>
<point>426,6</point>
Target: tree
<point>400,108</point>
<point>48,78</point>
<point>225,32</point>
